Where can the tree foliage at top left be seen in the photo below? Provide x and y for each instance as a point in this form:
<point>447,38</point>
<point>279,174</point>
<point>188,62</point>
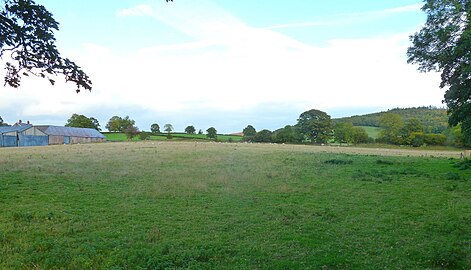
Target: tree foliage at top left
<point>27,43</point>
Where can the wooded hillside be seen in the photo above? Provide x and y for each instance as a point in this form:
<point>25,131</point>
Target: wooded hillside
<point>433,119</point>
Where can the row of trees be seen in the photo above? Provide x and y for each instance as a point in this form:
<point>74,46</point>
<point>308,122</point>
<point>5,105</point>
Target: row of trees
<point>168,128</point>
<point>115,124</point>
<point>316,126</point>
<point>312,126</point>
<point>127,126</point>
<point>410,132</point>
<point>443,45</point>
<point>433,119</point>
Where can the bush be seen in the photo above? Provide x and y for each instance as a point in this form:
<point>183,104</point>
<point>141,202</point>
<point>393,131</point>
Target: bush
<point>416,139</point>
<point>463,164</point>
<point>338,161</point>
<point>263,136</point>
<point>359,135</point>
<point>452,176</point>
<point>131,132</point>
<point>454,136</point>
<point>435,139</point>
<point>288,134</point>
<point>384,162</point>
<point>144,136</point>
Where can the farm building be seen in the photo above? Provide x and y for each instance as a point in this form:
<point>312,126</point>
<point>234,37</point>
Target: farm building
<point>16,136</point>
<point>29,135</point>
<point>71,135</point>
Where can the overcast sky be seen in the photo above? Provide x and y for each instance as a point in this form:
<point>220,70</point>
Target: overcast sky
<point>229,63</point>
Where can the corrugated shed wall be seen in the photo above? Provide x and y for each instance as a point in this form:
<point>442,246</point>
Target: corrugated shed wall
<point>32,140</point>
<point>47,135</point>
<point>11,133</point>
<point>54,140</point>
<point>8,141</point>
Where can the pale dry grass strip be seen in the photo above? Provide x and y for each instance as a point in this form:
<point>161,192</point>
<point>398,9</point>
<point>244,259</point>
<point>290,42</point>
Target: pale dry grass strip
<point>106,150</point>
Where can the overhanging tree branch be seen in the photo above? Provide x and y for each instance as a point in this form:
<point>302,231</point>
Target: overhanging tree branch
<point>27,33</point>
<point>444,45</point>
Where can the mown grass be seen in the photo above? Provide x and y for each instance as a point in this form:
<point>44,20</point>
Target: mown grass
<point>199,205</point>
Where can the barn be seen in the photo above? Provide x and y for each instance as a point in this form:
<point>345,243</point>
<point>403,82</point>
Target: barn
<point>9,136</point>
<point>71,135</point>
<point>22,135</point>
<point>29,135</point>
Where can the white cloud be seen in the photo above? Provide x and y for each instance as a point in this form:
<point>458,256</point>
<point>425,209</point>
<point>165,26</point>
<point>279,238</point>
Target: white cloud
<point>403,9</point>
<point>233,69</point>
<point>349,18</point>
<point>140,10</point>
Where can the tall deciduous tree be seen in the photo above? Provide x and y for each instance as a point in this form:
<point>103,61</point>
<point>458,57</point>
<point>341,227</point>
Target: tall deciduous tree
<point>114,124</point>
<point>315,125</point>
<point>392,125</point>
<point>343,132</point>
<point>27,43</point>
<point>155,128</point>
<point>126,122</point>
<point>359,135</point>
<point>118,124</point>
<point>411,125</point>
<point>190,130</point>
<point>81,121</point>
<point>444,45</point>
<point>249,133</point>
<point>168,128</point>
<point>211,133</point>
<point>263,135</point>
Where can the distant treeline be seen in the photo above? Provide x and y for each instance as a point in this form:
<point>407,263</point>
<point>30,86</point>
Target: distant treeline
<point>433,119</point>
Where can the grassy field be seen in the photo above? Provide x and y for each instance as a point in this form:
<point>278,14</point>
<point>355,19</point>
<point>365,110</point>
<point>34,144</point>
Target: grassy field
<point>373,132</point>
<point>117,137</point>
<point>201,205</point>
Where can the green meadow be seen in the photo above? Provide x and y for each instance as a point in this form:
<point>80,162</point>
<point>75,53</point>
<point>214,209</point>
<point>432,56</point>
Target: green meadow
<point>121,137</point>
<point>373,132</point>
<point>204,205</point>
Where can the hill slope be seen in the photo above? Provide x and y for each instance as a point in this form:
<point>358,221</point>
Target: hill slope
<point>434,120</point>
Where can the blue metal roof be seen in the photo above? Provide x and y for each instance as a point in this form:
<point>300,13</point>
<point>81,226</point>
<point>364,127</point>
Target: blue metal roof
<point>71,131</point>
<point>15,128</point>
